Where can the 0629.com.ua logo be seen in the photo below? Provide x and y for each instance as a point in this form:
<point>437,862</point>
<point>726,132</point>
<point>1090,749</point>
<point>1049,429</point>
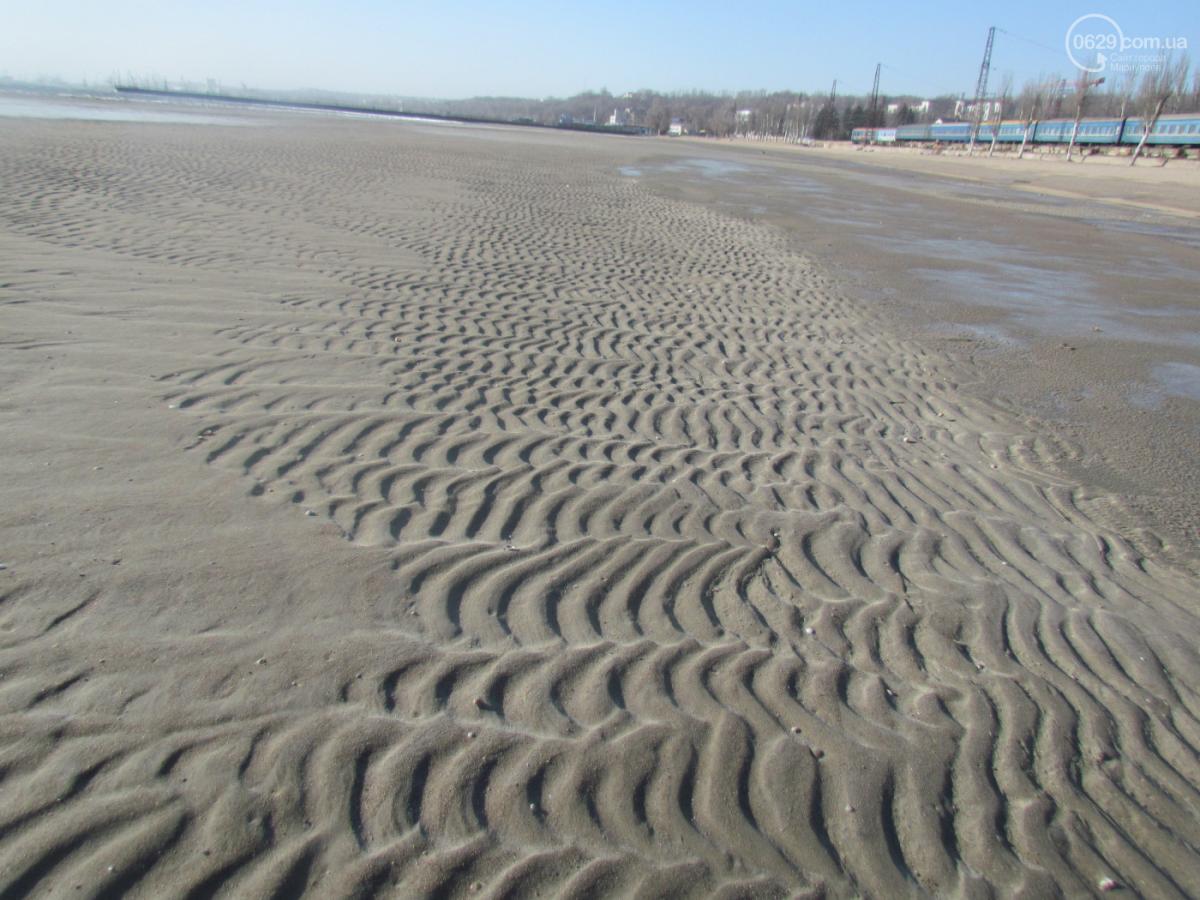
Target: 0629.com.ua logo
<point>1096,43</point>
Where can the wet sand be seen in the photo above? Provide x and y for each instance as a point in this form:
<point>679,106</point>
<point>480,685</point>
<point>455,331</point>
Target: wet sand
<point>402,510</point>
<point>1172,188</point>
<point>1064,288</point>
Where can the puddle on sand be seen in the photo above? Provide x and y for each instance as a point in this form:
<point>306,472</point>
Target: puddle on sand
<point>1179,379</point>
<point>1173,379</point>
<point>710,168</point>
<point>1059,303</point>
<point>803,185</point>
<point>986,335</point>
<point>957,248</point>
<point>1183,234</point>
<point>714,168</point>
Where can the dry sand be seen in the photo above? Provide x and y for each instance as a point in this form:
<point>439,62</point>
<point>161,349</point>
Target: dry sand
<point>397,510</point>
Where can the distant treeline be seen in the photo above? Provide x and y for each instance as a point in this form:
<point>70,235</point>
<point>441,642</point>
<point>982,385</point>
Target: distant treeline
<point>261,100</point>
<point>777,113</point>
<point>786,115</point>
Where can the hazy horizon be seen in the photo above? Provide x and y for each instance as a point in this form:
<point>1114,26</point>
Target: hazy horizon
<point>466,50</point>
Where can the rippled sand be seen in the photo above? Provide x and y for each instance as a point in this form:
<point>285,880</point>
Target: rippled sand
<point>393,510</point>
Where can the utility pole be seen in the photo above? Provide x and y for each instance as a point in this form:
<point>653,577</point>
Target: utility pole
<point>872,119</point>
<point>981,85</point>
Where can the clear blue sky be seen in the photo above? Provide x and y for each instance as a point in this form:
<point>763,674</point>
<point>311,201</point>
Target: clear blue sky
<point>537,48</point>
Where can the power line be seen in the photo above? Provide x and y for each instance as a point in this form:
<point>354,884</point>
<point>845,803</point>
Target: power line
<point>1030,41</point>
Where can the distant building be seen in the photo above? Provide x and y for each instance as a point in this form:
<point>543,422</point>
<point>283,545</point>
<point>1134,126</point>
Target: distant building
<point>917,109</point>
<point>621,117</point>
<point>984,110</point>
<point>744,115</point>
<point>678,127</point>
<point>566,119</point>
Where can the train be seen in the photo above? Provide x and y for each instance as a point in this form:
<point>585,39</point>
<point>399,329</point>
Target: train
<point>1170,131</point>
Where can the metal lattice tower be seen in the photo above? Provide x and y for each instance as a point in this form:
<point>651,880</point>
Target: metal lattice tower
<point>985,67</point>
<point>981,85</point>
<point>873,117</point>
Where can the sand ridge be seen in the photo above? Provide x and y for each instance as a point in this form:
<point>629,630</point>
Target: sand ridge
<point>618,552</point>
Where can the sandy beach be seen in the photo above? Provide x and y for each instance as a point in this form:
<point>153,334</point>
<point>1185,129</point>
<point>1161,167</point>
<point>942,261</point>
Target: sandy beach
<point>405,510</point>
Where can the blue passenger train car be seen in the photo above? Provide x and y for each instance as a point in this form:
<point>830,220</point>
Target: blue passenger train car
<point>1173,131</point>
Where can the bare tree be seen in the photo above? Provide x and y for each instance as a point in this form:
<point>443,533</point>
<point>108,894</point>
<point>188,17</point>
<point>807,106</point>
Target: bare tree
<point>1180,66</point>
<point>1158,86</point>
<point>1082,86</point>
<point>1002,102</point>
<point>1127,89</point>
<point>1032,102</point>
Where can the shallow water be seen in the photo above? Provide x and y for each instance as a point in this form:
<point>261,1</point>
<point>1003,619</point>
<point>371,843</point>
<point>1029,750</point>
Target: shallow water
<point>710,168</point>
<point>1189,237</point>
<point>1060,303</point>
<point>1179,379</point>
<point>103,110</point>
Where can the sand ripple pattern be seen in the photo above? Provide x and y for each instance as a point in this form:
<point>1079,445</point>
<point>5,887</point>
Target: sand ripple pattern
<point>704,584</point>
